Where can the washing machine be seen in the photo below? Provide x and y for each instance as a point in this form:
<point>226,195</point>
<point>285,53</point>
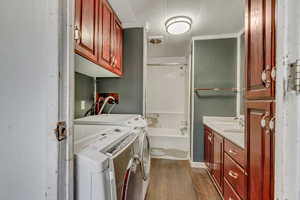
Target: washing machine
<point>138,123</point>
<point>106,166</point>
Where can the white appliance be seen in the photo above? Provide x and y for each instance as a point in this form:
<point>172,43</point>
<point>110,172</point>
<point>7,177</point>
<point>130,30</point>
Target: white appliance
<point>137,122</point>
<point>113,119</point>
<point>105,164</point>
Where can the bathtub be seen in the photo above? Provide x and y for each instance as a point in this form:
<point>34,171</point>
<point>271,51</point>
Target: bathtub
<point>167,143</point>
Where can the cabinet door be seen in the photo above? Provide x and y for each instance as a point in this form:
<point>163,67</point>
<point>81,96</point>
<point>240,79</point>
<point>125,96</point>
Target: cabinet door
<point>260,150</point>
<point>210,152</point>
<point>218,161</point>
<point>260,41</point>
<point>106,17</point>
<point>86,27</point>
<point>206,146</point>
<point>118,47</point>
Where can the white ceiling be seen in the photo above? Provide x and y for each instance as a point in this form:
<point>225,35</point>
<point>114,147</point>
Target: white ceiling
<point>209,17</point>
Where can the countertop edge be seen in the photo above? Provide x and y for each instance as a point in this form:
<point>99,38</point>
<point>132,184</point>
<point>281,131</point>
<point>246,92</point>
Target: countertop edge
<point>220,132</point>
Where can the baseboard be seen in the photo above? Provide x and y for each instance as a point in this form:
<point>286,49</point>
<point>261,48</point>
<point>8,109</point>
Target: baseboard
<point>168,158</point>
<point>197,164</point>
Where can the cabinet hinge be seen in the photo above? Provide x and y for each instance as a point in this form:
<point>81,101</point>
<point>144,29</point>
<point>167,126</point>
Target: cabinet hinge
<point>61,131</point>
<point>77,33</point>
<point>294,76</point>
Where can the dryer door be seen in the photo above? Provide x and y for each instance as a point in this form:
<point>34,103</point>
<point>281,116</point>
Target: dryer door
<point>133,186</point>
<point>145,157</point>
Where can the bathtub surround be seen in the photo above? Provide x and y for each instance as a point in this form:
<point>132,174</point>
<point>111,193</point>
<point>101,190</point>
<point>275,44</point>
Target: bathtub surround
<point>215,63</point>
<point>130,85</point>
<point>166,107</point>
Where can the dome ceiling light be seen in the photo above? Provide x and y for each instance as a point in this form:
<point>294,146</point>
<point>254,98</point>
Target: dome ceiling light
<point>178,25</point>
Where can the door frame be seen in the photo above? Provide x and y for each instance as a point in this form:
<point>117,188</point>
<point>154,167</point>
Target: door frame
<point>66,99</point>
<point>287,182</point>
<point>238,74</point>
<point>192,86</point>
<point>287,142</point>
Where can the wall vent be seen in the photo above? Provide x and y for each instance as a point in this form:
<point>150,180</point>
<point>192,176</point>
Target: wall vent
<point>156,40</point>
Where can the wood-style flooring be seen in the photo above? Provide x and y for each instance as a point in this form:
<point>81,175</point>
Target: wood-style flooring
<point>175,180</point>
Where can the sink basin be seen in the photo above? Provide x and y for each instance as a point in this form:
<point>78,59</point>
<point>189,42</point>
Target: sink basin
<point>228,125</point>
<point>234,130</point>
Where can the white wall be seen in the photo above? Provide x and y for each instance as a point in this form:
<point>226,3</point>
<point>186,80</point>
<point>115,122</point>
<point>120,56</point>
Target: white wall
<point>166,87</point>
<point>28,102</point>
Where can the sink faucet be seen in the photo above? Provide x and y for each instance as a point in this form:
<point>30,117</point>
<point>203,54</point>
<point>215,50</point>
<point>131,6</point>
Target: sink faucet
<point>104,104</point>
<point>240,121</point>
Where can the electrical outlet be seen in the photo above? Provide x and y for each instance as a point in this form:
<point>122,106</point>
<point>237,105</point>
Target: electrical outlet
<point>82,105</point>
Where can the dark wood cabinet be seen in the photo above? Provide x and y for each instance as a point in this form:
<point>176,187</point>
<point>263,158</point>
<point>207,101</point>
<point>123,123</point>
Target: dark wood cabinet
<point>106,40</point>
<point>260,46</point>
<point>217,172</point>
<point>99,34</point>
<point>229,193</point>
<point>208,149</point>
<point>260,93</point>
<point>235,152</point>
<point>260,150</point>
<point>118,47</point>
<point>86,28</point>
<point>235,175</point>
<point>225,162</point>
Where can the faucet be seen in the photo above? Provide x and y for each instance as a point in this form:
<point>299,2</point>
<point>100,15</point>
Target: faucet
<point>240,121</point>
<point>104,104</point>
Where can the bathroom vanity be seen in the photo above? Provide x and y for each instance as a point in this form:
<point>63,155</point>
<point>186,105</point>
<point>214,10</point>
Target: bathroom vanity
<point>225,156</point>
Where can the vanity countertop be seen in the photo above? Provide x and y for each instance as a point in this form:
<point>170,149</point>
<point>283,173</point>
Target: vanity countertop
<point>228,127</point>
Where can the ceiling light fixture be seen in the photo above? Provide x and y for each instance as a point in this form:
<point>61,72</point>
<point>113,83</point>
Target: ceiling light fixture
<point>178,25</point>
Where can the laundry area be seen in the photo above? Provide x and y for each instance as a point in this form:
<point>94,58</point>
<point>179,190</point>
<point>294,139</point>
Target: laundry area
<point>150,100</point>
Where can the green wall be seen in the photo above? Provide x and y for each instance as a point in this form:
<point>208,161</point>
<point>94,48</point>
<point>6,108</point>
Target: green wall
<point>130,85</point>
<point>84,91</point>
<point>214,66</point>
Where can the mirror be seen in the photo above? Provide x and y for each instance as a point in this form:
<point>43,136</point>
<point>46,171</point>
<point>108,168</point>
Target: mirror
<point>241,77</point>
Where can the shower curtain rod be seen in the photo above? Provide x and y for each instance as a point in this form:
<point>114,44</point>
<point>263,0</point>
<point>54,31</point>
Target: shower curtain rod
<point>167,64</point>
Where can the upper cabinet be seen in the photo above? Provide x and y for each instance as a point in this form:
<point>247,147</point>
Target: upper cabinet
<point>98,36</point>
<point>118,47</point>
<point>260,41</point>
<point>106,32</point>
<point>86,29</point>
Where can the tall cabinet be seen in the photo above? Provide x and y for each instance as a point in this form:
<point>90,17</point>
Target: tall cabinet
<point>260,97</point>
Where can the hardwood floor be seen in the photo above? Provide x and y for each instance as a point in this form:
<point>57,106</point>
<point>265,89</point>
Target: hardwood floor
<point>203,185</point>
<point>172,180</point>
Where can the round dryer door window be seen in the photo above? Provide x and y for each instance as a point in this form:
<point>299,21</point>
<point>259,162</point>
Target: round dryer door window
<point>145,157</point>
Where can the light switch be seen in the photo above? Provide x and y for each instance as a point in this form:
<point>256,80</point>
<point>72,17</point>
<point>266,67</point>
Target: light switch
<point>82,105</point>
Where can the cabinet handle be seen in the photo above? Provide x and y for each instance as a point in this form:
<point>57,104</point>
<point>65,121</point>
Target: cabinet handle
<point>115,61</point>
<point>77,34</point>
<point>265,77</point>
<point>272,124</point>
<point>273,73</point>
<point>112,61</point>
<point>263,121</point>
<point>209,138</point>
<point>233,174</point>
<point>232,152</point>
